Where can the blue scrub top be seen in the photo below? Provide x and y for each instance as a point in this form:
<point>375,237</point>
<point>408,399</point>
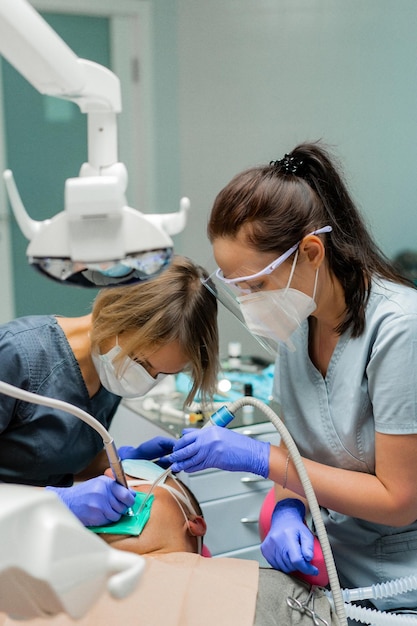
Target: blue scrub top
<point>370,386</point>
<point>39,445</point>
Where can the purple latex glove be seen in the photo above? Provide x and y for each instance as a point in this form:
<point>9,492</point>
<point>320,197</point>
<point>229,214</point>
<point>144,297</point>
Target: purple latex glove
<point>221,448</point>
<point>97,501</point>
<point>289,545</point>
<point>153,449</point>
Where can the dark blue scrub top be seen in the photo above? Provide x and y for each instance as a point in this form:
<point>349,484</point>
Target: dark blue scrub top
<point>38,445</point>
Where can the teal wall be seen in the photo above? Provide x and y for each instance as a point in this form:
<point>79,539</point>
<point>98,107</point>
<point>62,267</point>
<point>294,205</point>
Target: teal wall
<point>46,141</point>
<point>257,77</point>
<point>241,82</point>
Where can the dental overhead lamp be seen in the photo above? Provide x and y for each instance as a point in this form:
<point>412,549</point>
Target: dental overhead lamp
<point>96,241</point>
<point>50,563</point>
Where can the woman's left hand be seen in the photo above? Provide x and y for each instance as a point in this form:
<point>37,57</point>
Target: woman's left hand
<point>149,450</point>
<point>221,448</point>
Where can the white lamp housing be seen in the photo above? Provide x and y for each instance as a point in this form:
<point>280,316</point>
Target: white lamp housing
<point>97,240</point>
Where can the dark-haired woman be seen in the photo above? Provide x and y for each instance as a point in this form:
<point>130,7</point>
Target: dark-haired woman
<point>306,272</point>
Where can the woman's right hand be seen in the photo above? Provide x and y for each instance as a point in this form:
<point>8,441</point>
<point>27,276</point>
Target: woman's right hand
<point>97,501</point>
<point>289,544</point>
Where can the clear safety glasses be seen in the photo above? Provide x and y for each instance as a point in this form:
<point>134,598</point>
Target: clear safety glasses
<point>271,266</point>
<point>229,290</point>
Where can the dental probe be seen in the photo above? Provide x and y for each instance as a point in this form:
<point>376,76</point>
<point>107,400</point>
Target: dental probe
<point>221,417</point>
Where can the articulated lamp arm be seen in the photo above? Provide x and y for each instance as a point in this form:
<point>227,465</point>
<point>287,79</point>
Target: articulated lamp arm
<point>97,240</point>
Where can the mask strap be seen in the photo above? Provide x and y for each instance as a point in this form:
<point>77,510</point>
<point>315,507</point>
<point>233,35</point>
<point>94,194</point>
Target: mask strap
<point>294,263</point>
<point>292,274</point>
<point>185,497</point>
<point>178,497</point>
<point>315,284</point>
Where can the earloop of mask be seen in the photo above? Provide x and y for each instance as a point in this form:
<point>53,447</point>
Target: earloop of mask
<point>183,497</point>
<point>120,367</point>
<point>186,499</point>
<point>315,284</point>
<point>178,497</point>
<point>292,274</point>
<point>294,263</point>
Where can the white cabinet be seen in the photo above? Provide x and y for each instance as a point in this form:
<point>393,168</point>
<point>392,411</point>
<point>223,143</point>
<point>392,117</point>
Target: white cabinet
<point>231,501</point>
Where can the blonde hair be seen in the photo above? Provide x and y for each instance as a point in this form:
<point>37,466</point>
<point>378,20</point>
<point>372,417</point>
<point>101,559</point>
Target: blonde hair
<point>175,306</point>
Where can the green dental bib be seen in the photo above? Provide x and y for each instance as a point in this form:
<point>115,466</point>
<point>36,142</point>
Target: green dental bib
<point>129,524</point>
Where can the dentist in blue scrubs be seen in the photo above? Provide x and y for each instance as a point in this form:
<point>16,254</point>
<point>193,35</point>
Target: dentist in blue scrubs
<point>134,337</point>
<point>294,249</point>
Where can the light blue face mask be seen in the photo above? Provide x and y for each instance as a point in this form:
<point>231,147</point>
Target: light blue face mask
<point>139,468</point>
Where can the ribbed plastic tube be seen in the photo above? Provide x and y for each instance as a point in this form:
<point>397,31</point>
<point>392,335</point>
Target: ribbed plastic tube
<point>381,590</point>
<point>336,599</point>
<point>378,618</point>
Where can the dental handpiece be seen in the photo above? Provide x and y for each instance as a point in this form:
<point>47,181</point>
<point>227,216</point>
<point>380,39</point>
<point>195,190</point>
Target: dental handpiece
<point>115,463</point>
<point>116,466</point>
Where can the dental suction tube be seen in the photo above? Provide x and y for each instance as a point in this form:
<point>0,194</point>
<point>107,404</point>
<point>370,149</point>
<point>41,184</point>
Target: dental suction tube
<point>109,445</point>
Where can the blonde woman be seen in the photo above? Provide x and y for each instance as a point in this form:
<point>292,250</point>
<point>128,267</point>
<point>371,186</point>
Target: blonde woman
<point>133,338</point>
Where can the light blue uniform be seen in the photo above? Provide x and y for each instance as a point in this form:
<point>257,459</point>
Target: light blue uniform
<point>370,386</point>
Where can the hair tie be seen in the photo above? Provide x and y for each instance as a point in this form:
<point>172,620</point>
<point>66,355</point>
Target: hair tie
<point>288,165</point>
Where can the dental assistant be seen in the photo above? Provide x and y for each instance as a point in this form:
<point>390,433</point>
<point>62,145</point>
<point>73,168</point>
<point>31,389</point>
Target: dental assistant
<point>291,244</point>
<point>134,337</point>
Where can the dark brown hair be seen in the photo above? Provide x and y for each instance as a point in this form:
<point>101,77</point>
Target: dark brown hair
<point>280,203</point>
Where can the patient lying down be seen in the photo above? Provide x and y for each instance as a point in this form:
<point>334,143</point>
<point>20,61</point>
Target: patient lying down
<point>255,596</point>
<point>182,588</point>
<point>176,522</point>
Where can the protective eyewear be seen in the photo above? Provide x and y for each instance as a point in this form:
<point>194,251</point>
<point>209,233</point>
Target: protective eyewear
<point>272,266</point>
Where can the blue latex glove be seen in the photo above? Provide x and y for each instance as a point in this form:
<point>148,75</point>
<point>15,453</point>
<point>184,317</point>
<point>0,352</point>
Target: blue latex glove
<point>289,545</point>
<point>97,501</point>
<point>222,448</point>
<point>153,449</point>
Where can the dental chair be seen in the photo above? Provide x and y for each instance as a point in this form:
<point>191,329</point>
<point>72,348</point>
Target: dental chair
<point>265,516</point>
<point>205,552</point>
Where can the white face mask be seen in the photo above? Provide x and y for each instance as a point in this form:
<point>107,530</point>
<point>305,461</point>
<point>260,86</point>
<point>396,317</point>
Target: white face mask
<point>133,380</point>
<point>277,313</point>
